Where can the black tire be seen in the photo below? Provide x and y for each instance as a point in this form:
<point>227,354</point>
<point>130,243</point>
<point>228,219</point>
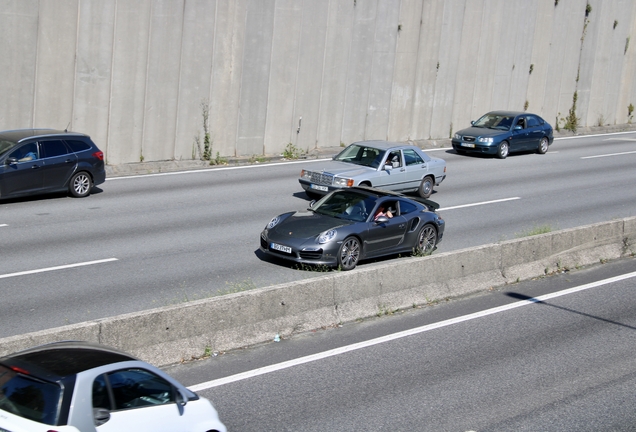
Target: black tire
<point>503,150</point>
<point>426,240</point>
<point>426,187</point>
<point>543,146</point>
<point>349,253</point>
<point>81,184</point>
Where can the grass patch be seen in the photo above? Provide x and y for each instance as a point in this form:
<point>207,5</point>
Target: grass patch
<point>542,229</point>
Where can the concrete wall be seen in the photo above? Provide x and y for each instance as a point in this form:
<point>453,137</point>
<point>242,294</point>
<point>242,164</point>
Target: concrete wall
<point>135,74</point>
<point>175,333</point>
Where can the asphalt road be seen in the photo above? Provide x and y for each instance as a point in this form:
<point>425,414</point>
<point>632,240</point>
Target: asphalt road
<point>553,354</point>
<point>156,240</point>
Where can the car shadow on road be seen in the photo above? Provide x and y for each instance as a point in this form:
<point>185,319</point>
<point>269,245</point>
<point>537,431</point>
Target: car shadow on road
<point>488,156</point>
<point>46,196</point>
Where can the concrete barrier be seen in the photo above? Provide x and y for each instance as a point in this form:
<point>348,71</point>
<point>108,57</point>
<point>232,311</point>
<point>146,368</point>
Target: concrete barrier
<point>175,333</point>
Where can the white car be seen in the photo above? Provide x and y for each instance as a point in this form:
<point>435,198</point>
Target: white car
<point>83,387</point>
<point>380,164</point>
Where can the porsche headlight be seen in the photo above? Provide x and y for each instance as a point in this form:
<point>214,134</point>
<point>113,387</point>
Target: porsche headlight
<point>347,182</point>
<point>485,139</point>
<point>327,236</point>
<point>273,222</point>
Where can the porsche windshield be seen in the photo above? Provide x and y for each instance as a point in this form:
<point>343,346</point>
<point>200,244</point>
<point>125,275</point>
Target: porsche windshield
<point>361,155</point>
<point>349,205</point>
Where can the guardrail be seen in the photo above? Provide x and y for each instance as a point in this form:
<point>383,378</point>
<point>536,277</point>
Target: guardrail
<point>172,334</point>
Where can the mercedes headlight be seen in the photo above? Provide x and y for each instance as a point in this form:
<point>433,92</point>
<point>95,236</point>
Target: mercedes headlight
<point>345,182</point>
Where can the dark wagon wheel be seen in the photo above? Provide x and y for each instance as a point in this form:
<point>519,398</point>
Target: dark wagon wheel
<point>503,150</point>
<point>426,240</point>
<point>426,187</point>
<point>81,184</point>
<point>543,146</point>
<point>349,253</point>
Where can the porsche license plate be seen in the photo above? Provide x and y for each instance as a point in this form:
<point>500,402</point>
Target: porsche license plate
<point>320,188</point>
<point>468,145</point>
<point>276,246</point>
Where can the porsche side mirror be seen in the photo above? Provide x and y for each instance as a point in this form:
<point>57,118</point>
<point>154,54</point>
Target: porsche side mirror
<point>381,220</point>
<point>11,161</point>
<point>311,204</point>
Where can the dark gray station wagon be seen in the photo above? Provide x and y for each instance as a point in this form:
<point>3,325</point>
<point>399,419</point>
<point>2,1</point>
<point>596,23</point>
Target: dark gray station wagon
<point>35,161</point>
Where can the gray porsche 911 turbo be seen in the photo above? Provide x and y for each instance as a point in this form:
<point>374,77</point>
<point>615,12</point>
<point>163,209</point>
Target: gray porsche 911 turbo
<point>353,224</point>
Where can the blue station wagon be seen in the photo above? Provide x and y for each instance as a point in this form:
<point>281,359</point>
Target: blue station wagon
<point>35,161</point>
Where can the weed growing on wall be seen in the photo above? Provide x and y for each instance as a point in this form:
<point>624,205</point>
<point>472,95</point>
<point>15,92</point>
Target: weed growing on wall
<point>206,151</point>
<point>207,142</point>
<point>572,121</point>
<point>292,152</point>
<point>630,113</point>
<point>600,121</point>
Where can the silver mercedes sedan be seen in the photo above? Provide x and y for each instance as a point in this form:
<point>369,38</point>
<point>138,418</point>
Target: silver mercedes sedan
<point>379,164</point>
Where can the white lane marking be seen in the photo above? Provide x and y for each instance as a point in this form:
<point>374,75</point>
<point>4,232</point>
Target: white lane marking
<point>479,203</point>
<point>399,335</point>
<point>232,168</point>
<point>3,225</point>
<point>595,135</point>
<point>620,139</point>
<point>62,267</point>
<point>608,155</point>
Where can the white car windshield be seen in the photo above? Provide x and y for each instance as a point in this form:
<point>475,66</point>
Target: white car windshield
<point>361,155</point>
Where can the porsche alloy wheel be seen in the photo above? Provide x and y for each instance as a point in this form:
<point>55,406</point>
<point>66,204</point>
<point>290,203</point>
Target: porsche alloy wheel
<point>349,253</point>
<point>426,240</point>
